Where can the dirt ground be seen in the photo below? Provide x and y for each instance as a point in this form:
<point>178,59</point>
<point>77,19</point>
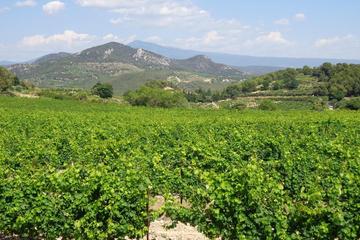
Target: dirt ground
<point>159,231</point>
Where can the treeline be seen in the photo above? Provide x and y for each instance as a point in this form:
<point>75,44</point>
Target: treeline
<point>335,81</point>
<point>284,79</point>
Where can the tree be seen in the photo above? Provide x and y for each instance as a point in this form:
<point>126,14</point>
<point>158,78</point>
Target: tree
<point>277,85</point>
<point>266,83</point>
<point>307,70</point>
<point>248,86</point>
<point>353,104</point>
<point>7,79</point>
<point>103,90</point>
<point>327,69</point>
<point>337,92</point>
<point>291,83</point>
<point>156,97</point>
<point>232,91</point>
<point>321,90</point>
<point>289,79</point>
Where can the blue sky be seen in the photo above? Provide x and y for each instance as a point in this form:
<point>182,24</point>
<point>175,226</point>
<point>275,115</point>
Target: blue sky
<point>293,28</point>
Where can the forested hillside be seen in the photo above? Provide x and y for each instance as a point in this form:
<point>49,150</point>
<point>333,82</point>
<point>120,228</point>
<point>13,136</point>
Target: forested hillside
<point>333,81</point>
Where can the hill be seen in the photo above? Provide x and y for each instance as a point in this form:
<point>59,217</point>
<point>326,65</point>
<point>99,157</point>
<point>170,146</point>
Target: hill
<point>246,63</point>
<point>327,86</point>
<point>126,68</point>
<point>334,81</point>
<point>6,63</point>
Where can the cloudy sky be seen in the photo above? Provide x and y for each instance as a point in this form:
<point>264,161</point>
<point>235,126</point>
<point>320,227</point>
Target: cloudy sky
<point>294,28</point>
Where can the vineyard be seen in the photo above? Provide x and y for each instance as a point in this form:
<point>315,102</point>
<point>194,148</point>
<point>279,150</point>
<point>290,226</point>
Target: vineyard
<point>91,171</point>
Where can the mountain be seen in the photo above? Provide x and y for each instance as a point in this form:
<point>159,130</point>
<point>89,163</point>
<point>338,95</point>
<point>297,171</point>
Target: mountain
<point>126,68</point>
<point>6,63</point>
<point>250,63</point>
<point>51,58</point>
<point>204,64</point>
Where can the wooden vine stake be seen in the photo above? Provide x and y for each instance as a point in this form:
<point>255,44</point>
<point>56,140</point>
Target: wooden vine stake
<point>148,215</point>
<point>181,178</point>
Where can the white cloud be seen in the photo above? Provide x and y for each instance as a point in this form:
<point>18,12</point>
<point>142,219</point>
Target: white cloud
<point>105,3</point>
<point>209,39</point>
<point>272,38</point>
<point>159,13</point>
<point>110,37</point>
<point>207,32</point>
<point>212,37</point>
<point>347,46</point>
<point>68,37</point>
<point>282,21</point>
<point>327,42</point>
<point>300,17</point>
<point>53,7</point>
<point>26,3</point>
<point>190,27</point>
<point>113,38</point>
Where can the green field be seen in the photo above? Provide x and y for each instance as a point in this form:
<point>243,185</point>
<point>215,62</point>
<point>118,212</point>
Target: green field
<point>84,170</point>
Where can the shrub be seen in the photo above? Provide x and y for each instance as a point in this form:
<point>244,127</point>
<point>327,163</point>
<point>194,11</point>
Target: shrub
<point>103,90</point>
<point>267,105</point>
<point>352,104</point>
<point>27,84</point>
<point>64,94</point>
<point>239,106</point>
<point>319,104</point>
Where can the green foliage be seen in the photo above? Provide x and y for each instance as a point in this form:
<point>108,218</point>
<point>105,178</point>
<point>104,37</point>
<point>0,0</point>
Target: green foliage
<point>321,90</point>
<point>335,81</point>
<point>103,90</point>
<point>266,83</point>
<point>233,91</point>
<point>156,97</point>
<point>202,96</point>
<point>7,79</point>
<point>248,86</point>
<point>64,94</point>
<point>337,92</point>
<point>339,80</point>
<point>27,84</point>
<point>267,105</point>
<point>87,171</point>
<point>307,70</point>
<point>319,104</point>
<point>160,84</point>
<point>239,106</point>
<point>352,104</point>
